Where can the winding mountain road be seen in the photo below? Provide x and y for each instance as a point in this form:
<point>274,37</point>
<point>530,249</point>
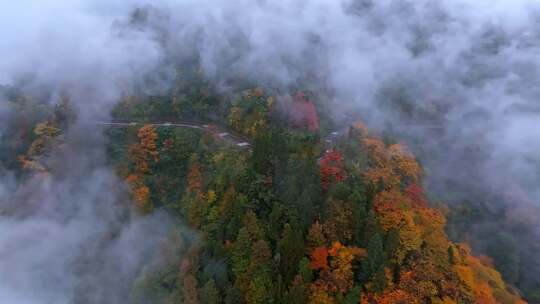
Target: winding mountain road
<point>214,130</point>
<point>218,132</point>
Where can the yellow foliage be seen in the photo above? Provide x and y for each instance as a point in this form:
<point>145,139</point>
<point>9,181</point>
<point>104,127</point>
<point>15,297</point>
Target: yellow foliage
<point>339,225</point>
<point>466,276</point>
<point>46,129</point>
<point>319,295</point>
<point>335,275</point>
<point>147,140</point>
<point>37,147</point>
<point>390,165</point>
<point>361,128</point>
<point>141,196</point>
<point>235,118</point>
<point>390,206</point>
<point>445,300</point>
<point>211,197</point>
<point>484,294</point>
<point>397,297</point>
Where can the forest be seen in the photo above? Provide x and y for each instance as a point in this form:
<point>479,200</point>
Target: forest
<point>300,215</point>
<point>280,152</point>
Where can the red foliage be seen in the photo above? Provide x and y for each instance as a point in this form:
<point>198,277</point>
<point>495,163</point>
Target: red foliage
<point>331,169</point>
<point>319,258</point>
<point>416,194</point>
<point>303,113</point>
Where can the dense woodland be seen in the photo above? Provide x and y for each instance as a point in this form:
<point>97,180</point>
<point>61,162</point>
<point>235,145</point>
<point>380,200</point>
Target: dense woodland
<point>296,217</point>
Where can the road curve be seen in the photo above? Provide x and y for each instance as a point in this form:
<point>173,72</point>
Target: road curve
<point>214,130</point>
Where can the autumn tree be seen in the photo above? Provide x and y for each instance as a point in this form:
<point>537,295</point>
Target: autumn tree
<point>339,224</point>
<point>145,150</point>
<point>316,237</point>
<point>47,134</point>
<point>142,155</point>
<point>335,272</point>
<point>332,169</point>
<point>302,113</point>
<point>249,115</point>
<point>253,211</point>
<point>389,165</point>
<point>341,266</point>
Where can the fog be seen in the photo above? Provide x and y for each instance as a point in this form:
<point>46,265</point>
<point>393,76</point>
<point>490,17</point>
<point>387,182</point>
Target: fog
<point>458,80</point>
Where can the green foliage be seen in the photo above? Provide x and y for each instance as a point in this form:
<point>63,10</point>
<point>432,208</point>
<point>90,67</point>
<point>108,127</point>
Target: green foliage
<point>296,295</point>
<point>373,265</point>
<point>353,296</point>
<point>263,212</point>
<point>209,293</point>
<point>305,271</point>
<point>291,250</point>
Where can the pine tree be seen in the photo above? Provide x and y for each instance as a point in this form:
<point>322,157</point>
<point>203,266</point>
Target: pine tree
<point>305,270</point>
<point>353,296</point>
<point>374,263</point>
<point>209,293</point>
<point>291,249</point>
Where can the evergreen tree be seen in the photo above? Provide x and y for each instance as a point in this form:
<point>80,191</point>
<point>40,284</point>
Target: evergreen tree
<point>353,296</point>
<point>291,250</point>
<point>209,293</point>
<point>375,262</point>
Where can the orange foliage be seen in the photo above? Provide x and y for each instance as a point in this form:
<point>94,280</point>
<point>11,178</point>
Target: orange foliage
<point>319,294</point>
<point>341,273</point>
<point>140,154</point>
<point>339,224</point>
<point>484,294</point>
<point>404,161</point>
<point>390,165</point>
<point>319,258</point>
<point>421,229</point>
<point>141,196</point>
<point>482,280</point>
<point>147,140</point>
<point>396,297</point>
<point>332,169</point>
<point>432,218</point>
<point>195,181</point>
<point>390,206</point>
<point>144,151</point>
<point>432,223</point>
<point>336,273</point>
<point>134,179</point>
<point>359,128</point>
<point>139,159</point>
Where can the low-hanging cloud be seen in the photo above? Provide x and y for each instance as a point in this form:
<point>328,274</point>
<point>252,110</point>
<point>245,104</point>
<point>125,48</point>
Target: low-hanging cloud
<point>457,79</point>
<point>69,236</point>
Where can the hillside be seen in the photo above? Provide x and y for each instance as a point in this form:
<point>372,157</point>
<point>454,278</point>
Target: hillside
<point>257,151</point>
<point>299,216</point>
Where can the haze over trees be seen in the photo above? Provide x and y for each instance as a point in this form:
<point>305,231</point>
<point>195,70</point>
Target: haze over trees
<point>340,152</point>
<point>291,219</point>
